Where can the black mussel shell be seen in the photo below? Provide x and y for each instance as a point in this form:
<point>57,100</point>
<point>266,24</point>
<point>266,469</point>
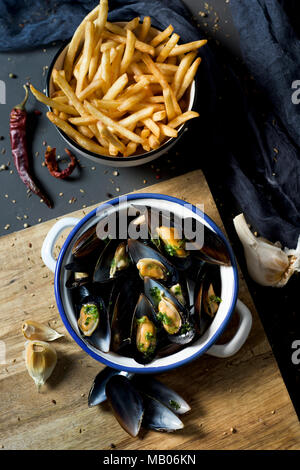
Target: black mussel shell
<point>186,332</point>
<point>87,243</point>
<point>108,266</point>
<point>213,250</point>
<point>79,274</point>
<point>100,338</point>
<point>157,390</point>
<point>122,303</point>
<point>126,402</point>
<point>144,334</point>
<point>97,393</point>
<point>158,417</point>
<point>139,251</point>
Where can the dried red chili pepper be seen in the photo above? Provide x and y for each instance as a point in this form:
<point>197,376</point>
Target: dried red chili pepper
<point>52,165</point>
<point>18,120</point>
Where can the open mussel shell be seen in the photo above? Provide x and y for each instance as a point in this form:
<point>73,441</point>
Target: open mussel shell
<point>122,304</point>
<point>174,317</point>
<point>207,296</point>
<point>79,274</point>
<point>93,321</point>
<point>144,335</point>
<point>211,247</point>
<point>126,402</point>
<point>166,233</point>
<point>113,262</point>
<point>158,417</point>
<point>157,390</point>
<point>151,263</point>
<point>97,393</point>
<point>87,243</point>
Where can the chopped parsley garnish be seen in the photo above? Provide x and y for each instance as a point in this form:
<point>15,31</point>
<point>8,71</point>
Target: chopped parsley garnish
<point>91,310</point>
<point>149,335</point>
<point>155,293</point>
<point>163,317</point>
<point>177,290</point>
<point>141,320</point>
<point>215,298</point>
<point>174,404</point>
<point>185,328</point>
<point>170,250</point>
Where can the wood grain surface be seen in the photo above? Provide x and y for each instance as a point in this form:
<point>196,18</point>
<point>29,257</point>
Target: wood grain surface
<point>237,403</point>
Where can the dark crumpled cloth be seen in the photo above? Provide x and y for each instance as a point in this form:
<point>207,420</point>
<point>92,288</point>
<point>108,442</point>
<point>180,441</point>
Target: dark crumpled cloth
<point>254,155</point>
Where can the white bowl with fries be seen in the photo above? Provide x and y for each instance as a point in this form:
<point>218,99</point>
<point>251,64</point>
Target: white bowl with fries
<point>122,93</point>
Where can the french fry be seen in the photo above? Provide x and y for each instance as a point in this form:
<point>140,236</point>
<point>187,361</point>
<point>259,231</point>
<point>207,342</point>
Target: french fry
<point>65,108</point>
<point>145,133</point>
<point>168,48</point>
<point>167,130</point>
<point>152,67</point>
<point>113,151</point>
<point>86,55</point>
<point>145,28</point>
<point>63,116</point>
<point>179,120</point>
<point>182,70</point>
<point>130,149</point>
<point>153,142</point>
<point>83,141</point>
<point>133,24</point>
<point>106,104</point>
<point>75,41</point>
<point>132,89</point>
<point>69,92</point>
<point>82,120</point>
<point>137,116</point>
<point>189,77</point>
<point>129,51</point>
<point>154,128</point>
<point>116,88</point>
<point>115,65</point>
<point>169,104</point>
<point>135,68</point>
<point>189,46</point>
<point>94,61</point>
<point>156,99</point>
<point>141,46</point>
<point>159,116</point>
<point>85,131</point>
<point>110,137</point>
<point>90,89</point>
<point>102,18</point>
<point>106,70</point>
<point>131,101</point>
<point>115,29</point>
<point>108,45</point>
<point>116,126</point>
<point>160,37</point>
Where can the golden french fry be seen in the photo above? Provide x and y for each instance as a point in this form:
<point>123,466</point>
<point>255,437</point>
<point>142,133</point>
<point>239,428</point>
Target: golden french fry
<point>116,88</point>
<point>53,103</point>
<point>83,141</point>
<point>189,46</point>
<point>116,126</point>
<point>188,78</point>
<point>110,137</point>
<point>86,55</point>
<point>183,118</point>
<point>129,51</point>
<point>113,151</point>
<point>153,142</point>
<point>151,78</point>
<point>132,89</point>
<point>167,130</point>
<point>168,48</point>
<point>60,99</point>
<point>107,45</point>
<point>135,68</point>
<point>154,128</point>
<point>152,67</point>
<point>94,61</point>
<point>176,106</point>
<point>130,149</point>
<point>85,131</point>
<point>75,41</point>
<point>182,70</point>
<point>160,37</point>
<point>106,70</point>
<point>145,133</point>
<point>102,18</point>
<point>141,46</point>
<point>133,24</point>
<point>131,101</point>
<point>169,104</point>
<point>115,29</point>
<point>159,116</point>
<point>137,116</point>
<point>172,60</point>
<point>145,28</point>
<point>90,89</point>
<point>63,116</point>
<point>83,120</point>
<point>115,65</point>
<point>106,104</point>
<point>156,99</point>
<point>68,91</point>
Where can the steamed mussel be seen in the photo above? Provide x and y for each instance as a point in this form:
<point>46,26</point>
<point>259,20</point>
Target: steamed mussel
<point>145,298</point>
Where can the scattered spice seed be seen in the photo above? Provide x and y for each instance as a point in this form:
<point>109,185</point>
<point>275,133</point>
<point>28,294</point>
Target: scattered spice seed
<point>37,154</point>
<point>25,216</point>
<point>13,201</point>
<point>44,143</point>
<point>82,190</point>
<point>6,227</point>
<point>26,225</point>
<point>93,168</point>
<point>1,137</point>
<point>273,412</point>
<point>3,167</point>
<point>72,200</point>
<point>12,75</point>
<point>3,150</point>
<point>30,245</point>
<point>61,194</point>
<point>54,402</point>
<point>39,220</point>
<point>116,173</point>
<point>6,195</point>
<point>118,190</point>
<point>145,181</point>
<point>112,446</point>
<point>233,430</point>
<point>275,150</point>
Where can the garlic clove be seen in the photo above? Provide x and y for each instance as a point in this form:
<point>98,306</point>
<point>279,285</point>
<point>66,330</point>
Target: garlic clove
<point>40,358</point>
<point>267,263</point>
<point>35,330</point>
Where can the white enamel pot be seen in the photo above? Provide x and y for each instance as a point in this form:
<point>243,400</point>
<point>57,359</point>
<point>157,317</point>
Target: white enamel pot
<point>205,344</point>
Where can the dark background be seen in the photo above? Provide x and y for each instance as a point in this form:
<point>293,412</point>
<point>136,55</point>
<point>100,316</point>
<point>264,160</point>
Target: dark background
<point>91,183</point>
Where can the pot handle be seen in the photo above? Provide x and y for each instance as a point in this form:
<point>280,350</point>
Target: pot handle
<point>235,344</point>
<point>50,240</point>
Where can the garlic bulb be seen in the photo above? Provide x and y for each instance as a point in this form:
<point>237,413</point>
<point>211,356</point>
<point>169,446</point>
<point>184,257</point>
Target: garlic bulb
<point>267,263</point>
<point>35,330</point>
<point>40,360</point>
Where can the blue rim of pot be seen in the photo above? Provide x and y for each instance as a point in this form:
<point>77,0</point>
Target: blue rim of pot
<point>148,370</point>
